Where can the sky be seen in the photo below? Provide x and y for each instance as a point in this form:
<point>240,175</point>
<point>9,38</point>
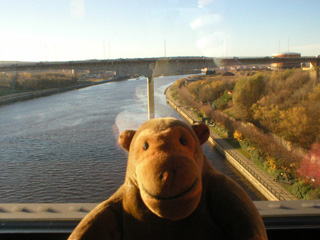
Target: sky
<point>65,30</point>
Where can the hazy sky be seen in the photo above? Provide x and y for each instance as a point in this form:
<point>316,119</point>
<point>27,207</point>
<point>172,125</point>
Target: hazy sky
<point>58,30</point>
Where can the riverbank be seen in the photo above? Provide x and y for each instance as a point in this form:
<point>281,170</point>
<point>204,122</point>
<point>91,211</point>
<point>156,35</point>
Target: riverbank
<point>259,179</point>
<point>11,98</point>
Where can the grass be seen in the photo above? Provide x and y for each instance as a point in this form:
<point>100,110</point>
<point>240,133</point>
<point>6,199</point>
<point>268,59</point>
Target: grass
<point>234,112</point>
<point>233,143</point>
<point>218,132</point>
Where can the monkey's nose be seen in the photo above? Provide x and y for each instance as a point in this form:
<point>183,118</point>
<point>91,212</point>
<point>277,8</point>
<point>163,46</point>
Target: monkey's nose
<point>165,176</point>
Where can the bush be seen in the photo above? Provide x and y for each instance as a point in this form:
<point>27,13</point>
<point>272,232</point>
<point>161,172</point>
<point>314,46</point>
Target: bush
<point>313,194</point>
<point>4,80</point>
<point>180,82</point>
<point>222,102</point>
<point>174,92</point>
<point>301,189</point>
<point>194,88</point>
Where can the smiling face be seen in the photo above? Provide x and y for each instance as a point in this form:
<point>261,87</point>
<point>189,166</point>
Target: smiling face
<point>167,165</point>
<point>168,175</point>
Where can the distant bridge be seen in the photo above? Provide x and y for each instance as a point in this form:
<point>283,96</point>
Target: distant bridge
<point>125,67</point>
<point>157,66</point>
<point>265,60</point>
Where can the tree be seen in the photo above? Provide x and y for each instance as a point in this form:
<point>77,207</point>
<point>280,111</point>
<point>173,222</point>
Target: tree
<point>205,94</point>
<point>194,88</point>
<point>248,91</point>
<point>295,126</point>
<point>267,116</point>
<point>315,94</point>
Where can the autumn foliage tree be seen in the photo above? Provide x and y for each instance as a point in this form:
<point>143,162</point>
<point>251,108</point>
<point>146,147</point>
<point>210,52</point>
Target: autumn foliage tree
<point>38,81</point>
<point>248,91</point>
<point>310,165</point>
<point>208,90</point>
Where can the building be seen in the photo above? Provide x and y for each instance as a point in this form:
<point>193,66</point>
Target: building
<point>276,66</point>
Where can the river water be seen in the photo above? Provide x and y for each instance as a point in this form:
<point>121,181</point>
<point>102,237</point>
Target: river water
<point>63,147</point>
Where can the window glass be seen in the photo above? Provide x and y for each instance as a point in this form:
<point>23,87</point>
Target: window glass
<point>73,76</point>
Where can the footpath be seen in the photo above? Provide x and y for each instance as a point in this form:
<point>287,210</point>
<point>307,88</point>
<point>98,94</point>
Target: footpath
<point>272,190</point>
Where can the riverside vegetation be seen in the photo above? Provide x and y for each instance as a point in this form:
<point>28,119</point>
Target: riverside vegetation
<point>11,83</point>
<point>272,117</point>
<point>22,82</point>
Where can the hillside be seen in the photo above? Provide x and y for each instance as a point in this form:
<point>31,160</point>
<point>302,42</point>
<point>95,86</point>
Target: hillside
<point>273,116</point>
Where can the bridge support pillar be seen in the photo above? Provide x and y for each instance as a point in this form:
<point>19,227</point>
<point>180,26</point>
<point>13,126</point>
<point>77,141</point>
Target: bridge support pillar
<point>150,86</point>
<point>315,66</point>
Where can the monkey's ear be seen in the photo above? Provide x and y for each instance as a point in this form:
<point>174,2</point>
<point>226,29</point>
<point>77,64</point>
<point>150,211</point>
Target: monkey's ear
<point>202,131</point>
<point>125,138</point>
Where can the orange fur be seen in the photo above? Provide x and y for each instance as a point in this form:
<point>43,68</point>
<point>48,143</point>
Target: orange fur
<point>172,192</point>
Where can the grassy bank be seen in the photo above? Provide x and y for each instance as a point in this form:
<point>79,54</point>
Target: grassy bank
<point>24,86</point>
<point>284,165</point>
<point>13,83</point>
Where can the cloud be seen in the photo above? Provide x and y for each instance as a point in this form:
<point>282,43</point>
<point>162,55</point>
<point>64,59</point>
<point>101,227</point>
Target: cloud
<point>205,21</point>
<point>210,34</point>
<point>211,40</point>
<point>203,3</point>
<point>211,44</point>
<point>77,9</point>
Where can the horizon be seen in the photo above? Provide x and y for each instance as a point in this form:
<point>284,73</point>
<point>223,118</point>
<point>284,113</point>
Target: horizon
<point>75,30</point>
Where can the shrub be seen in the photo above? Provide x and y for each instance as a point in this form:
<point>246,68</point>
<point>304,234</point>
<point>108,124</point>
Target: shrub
<point>301,189</point>
<point>174,92</point>
<point>222,102</point>
<point>315,94</point>
<point>310,165</point>
<point>194,88</point>
<point>178,83</point>
<point>4,80</point>
<point>313,194</point>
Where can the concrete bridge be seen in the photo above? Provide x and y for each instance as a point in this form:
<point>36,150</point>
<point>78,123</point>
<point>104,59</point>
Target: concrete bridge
<point>151,67</point>
<point>265,60</point>
<point>148,67</point>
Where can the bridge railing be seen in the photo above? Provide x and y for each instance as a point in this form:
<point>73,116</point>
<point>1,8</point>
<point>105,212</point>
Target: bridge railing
<point>26,218</point>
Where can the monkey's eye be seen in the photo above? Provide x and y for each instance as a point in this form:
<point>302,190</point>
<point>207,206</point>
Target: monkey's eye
<point>145,146</point>
<point>183,141</point>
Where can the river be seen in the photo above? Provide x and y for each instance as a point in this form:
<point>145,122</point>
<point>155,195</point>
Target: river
<point>63,147</point>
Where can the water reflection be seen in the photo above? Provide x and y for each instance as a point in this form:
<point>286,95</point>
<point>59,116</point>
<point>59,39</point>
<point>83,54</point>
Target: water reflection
<point>63,148</point>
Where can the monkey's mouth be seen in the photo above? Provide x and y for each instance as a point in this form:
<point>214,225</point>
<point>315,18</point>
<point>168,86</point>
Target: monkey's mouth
<point>182,194</point>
